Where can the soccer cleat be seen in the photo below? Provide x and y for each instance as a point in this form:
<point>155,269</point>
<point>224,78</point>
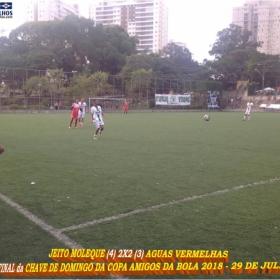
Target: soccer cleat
<point>70,127</point>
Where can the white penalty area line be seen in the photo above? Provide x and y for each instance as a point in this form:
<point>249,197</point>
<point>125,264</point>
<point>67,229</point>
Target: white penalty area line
<point>57,233</point>
<point>46,227</point>
<point>162,205</point>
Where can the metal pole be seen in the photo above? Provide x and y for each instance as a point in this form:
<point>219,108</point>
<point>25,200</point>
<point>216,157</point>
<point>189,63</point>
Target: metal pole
<point>40,93</point>
<point>130,87</point>
<point>262,75</point>
<point>39,98</point>
<point>25,91</point>
<point>139,89</point>
<point>148,92</point>
<point>114,83</point>
<point>122,85</point>
<point>14,88</point>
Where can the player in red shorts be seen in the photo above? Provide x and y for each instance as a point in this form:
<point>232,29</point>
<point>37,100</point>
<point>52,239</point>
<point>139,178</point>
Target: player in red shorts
<point>125,107</point>
<point>75,112</point>
<point>1,149</point>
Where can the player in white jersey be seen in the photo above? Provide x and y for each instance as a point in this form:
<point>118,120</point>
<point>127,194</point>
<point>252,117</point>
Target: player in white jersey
<point>248,110</point>
<point>97,118</point>
<point>82,112</point>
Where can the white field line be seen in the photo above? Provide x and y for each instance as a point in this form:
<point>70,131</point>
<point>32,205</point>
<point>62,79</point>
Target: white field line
<point>150,208</point>
<point>48,228</point>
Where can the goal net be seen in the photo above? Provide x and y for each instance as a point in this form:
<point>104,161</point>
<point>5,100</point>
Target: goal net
<point>108,103</point>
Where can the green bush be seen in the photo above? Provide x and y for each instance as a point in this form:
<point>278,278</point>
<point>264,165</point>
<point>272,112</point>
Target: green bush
<point>204,86</point>
<point>13,107</point>
<point>4,102</point>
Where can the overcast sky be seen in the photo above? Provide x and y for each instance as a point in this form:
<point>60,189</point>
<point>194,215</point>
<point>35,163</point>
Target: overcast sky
<point>194,22</point>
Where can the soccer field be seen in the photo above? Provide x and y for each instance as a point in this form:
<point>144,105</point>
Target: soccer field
<point>151,181</point>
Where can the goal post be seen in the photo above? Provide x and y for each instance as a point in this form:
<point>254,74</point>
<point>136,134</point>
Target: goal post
<point>108,103</point>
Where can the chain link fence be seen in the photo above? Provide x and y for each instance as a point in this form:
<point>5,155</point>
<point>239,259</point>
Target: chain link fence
<point>28,90</point>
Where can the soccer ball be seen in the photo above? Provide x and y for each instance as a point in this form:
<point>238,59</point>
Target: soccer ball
<point>207,118</point>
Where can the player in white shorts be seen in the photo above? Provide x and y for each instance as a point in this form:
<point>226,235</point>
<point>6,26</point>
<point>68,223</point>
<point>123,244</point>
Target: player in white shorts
<point>248,110</point>
<point>82,112</point>
<point>97,118</point>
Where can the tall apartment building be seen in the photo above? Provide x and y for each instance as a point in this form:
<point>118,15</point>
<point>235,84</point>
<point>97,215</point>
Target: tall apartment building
<point>31,13</point>
<point>46,10</point>
<point>262,18</point>
<point>145,19</point>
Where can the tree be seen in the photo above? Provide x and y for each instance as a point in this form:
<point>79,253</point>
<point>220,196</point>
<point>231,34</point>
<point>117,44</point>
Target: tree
<point>263,68</point>
<point>70,44</point>
<point>94,85</point>
<point>4,90</point>
<point>118,46</point>
<point>8,57</point>
<point>80,87</point>
<point>140,85</point>
<point>56,78</point>
<point>164,67</point>
<point>137,62</point>
<point>232,51</point>
<point>180,57</point>
<point>41,60</point>
<point>231,39</point>
<point>171,50</point>
<point>100,85</point>
<point>36,86</point>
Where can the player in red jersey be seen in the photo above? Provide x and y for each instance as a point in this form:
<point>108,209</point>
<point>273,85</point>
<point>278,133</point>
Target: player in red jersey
<point>75,112</point>
<point>125,107</point>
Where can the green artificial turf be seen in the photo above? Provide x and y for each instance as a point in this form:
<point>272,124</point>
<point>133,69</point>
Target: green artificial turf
<point>142,160</point>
